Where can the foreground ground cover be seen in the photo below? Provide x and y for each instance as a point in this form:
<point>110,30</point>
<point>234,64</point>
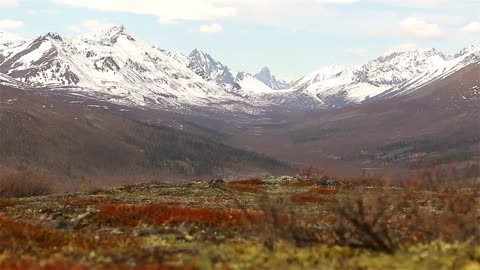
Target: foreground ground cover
<point>284,223</point>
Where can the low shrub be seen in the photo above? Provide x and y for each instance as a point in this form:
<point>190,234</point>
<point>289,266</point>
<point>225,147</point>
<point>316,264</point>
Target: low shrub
<point>24,184</point>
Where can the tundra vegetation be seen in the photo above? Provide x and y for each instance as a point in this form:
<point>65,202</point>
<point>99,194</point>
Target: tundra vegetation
<point>311,221</point>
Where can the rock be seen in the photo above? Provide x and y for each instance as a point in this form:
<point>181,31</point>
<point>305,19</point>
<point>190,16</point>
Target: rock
<point>272,180</point>
<point>145,231</point>
<point>330,183</point>
<point>216,182</point>
<point>81,220</point>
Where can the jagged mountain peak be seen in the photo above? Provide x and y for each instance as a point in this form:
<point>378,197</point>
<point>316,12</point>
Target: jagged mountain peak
<point>210,69</point>
<point>202,57</point>
<point>415,55</point>
<point>204,65</point>
<point>52,36</point>
<point>265,70</point>
<point>196,51</point>
<point>110,35</point>
<point>266,76</point>
<point>472,49</point>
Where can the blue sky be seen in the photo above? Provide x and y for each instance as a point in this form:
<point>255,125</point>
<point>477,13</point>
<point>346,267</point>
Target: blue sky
<point>292,37</point>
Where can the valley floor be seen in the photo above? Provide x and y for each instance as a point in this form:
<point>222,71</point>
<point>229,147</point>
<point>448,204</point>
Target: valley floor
<point>270,223</point>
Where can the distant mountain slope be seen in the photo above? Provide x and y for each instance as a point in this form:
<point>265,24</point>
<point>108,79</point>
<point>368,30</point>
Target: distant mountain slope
<point>437,123</point>
<point>69,140</point>
<point>464,58</point>
<point>391,75</point>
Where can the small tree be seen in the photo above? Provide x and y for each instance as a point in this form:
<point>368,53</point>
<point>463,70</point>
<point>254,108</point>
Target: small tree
<point>85,184</point>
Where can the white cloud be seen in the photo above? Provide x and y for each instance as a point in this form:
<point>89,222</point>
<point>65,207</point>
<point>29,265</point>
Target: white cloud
<point>10,24</point>
<point>407,47</point>
<point>415,28</point>
<point>166,11</point>
<point>34,12</point>
<point>90,26</point>
<point>211,28</point>
<point>427,19</point>
<point>440,18</point>
<point>337,1</point>
<point>473,27</point>
<point>419,3</point>
<point>4,3</point>
<point>260,11</point>
<point>355,52</point>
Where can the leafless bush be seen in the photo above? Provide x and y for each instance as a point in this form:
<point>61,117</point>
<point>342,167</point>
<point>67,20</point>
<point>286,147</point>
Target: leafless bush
<point>24,184</point>
<point>312,173</point>
<point>383,219</point>
<point>363,222</point>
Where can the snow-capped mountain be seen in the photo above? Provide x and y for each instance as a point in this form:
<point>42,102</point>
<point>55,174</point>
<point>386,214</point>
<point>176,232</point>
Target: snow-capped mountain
<point>9,81</point>
<point>336,86</point>
<point>8,40</point>
<point>113,65</point>
<point>440,70</point>
<point>266,76</point>
<point>210,69</point>
<point>243,83</point>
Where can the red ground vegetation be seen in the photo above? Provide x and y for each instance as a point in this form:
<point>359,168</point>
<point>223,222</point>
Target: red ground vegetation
<point>299,199</point>
<point>21,235</point>
<point>134,215</point>
<point>7,203</point>
<point>245,188</point>
<point>322,191</point>
<point>249,181</point>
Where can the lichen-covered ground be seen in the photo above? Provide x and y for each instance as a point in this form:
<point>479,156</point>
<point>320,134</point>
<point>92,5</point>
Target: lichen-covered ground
<point>251,224</point>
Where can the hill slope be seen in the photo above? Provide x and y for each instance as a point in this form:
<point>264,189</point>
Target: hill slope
<point>439,121</point>
<point>71,139</point>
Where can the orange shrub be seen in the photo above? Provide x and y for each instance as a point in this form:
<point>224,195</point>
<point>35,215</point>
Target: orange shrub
<point>133,215</point>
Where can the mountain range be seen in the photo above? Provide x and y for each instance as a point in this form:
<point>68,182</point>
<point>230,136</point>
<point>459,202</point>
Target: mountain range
<point>386,112</point>
<point>115,66</point>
